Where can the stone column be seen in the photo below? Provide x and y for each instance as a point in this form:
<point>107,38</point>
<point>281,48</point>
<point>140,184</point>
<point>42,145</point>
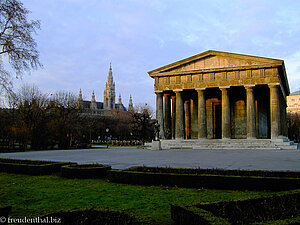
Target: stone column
<point>202,127</point>
<point>274,111</point>
<point>194,118</point>
<point>284,122</point>
<point>179,126</point>
<point>251,120</point>
<point>226,131</point>
<point>173,115</point>
<point>187,119</point>
<point>159,113</point>
<point>167,118</point>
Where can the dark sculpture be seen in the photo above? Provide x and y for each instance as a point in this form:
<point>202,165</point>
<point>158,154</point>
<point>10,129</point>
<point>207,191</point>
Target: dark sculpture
<point>156,131</point>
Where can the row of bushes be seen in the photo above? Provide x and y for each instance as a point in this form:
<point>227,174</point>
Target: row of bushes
<point>189,178</point>
<point>88,216</point>
<point>85,171</point>
<point>208,181</point>
<point>31,167</point>
<point>101,217</point>
<point>274,208</point>
<point>69,170</point>
<point>125,143</point>
<point>258,173</point>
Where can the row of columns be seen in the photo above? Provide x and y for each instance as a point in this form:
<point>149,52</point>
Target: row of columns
<point>172,120</point>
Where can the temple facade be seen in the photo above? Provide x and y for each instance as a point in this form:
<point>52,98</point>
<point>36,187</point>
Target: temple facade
<point>220,95</point>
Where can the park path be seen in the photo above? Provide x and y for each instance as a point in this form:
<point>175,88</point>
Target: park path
<point>125,157</point>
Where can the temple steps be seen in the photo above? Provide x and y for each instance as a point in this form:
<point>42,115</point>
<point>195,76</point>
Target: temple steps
<point>230,144</point>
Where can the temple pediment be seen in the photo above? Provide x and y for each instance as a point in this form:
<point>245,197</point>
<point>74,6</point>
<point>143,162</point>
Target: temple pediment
<point>211,60</point>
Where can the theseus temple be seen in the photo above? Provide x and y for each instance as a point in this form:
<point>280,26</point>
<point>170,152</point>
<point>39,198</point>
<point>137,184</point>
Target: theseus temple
<point>220,95</point>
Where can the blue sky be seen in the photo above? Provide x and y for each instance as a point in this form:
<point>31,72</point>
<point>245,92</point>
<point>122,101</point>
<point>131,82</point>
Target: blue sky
<point>79,38</point>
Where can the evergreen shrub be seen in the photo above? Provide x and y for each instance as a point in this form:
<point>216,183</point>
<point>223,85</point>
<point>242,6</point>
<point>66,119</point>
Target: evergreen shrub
<point>182,178</point>
<point>85,171</point>
<point>31,167</point>
<point>278,207</point>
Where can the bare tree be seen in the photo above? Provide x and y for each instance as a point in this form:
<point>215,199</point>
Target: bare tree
<point>17,46</point>
<point>142,123</point>
<point>31,105</point>
<point>65,125</point>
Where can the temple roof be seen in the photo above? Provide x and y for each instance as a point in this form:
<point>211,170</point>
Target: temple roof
<point>215,60</point>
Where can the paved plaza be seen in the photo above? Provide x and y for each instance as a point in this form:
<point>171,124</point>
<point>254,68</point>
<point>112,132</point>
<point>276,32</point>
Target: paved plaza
<point>125,157</point>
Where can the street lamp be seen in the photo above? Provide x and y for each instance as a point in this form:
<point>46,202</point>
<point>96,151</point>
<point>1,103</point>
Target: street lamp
<point>131,141</point>
<point>107,131</point>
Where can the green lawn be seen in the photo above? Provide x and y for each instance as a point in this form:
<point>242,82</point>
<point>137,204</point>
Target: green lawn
<point>32,196</point>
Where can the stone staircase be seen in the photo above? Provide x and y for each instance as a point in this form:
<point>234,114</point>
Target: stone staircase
<point>282,143</point>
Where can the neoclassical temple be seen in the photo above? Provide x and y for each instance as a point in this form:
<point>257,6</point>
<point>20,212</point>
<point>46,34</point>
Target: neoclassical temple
<point>220,95</point>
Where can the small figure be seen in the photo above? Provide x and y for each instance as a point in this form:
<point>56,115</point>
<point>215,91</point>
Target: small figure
<point>156,131</point>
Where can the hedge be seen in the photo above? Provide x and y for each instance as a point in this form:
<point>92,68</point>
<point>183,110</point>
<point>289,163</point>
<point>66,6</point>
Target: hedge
<point>25,161</point>
<point>274,208</point>
<point>31,167</point>
<point>259,173</point>
<point>192,215</point>
<point>85,171</point>
<point>204,181</point>
<point>100,217</point>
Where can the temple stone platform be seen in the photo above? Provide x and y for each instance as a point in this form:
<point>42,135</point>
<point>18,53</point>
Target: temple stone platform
<point>279,144</point>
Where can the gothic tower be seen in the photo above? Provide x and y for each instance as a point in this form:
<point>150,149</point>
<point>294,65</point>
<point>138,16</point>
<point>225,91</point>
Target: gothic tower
<point>130,105</point>
<point>119,105</point>
<point>80,100</point>
<point>93,102</point>
<point>109,92</point>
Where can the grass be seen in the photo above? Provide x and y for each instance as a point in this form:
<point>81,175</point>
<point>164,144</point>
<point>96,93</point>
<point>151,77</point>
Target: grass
<point>33,196</point>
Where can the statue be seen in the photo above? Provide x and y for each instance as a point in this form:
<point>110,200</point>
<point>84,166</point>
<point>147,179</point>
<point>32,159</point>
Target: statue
<point>156,131</point>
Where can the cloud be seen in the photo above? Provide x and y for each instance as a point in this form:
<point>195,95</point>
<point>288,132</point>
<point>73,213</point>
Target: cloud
<point>80,38</point>
<point>292,64</point>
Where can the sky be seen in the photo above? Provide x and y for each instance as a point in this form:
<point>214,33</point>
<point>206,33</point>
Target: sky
<point>80,38</point>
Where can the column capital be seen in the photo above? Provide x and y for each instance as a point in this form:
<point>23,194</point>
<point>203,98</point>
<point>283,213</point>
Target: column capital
<point>200,89</point>
<point>272,85</point>
<point>178,90</point>
<point>166,94</point>
<point>223,87</point>
<point>158,92</point>
<point>249,86</point>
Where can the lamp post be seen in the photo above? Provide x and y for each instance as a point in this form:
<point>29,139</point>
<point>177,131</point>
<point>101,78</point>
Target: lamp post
<point>107,132</point>
<point>131,141</point>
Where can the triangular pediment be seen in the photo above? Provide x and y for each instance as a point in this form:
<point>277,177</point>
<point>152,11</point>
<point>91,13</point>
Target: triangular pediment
<point>210,60</point>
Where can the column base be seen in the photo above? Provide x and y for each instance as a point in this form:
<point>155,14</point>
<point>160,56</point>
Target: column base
<point>179,139</point>
<point>201,139</point>
<point>156,145</point>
